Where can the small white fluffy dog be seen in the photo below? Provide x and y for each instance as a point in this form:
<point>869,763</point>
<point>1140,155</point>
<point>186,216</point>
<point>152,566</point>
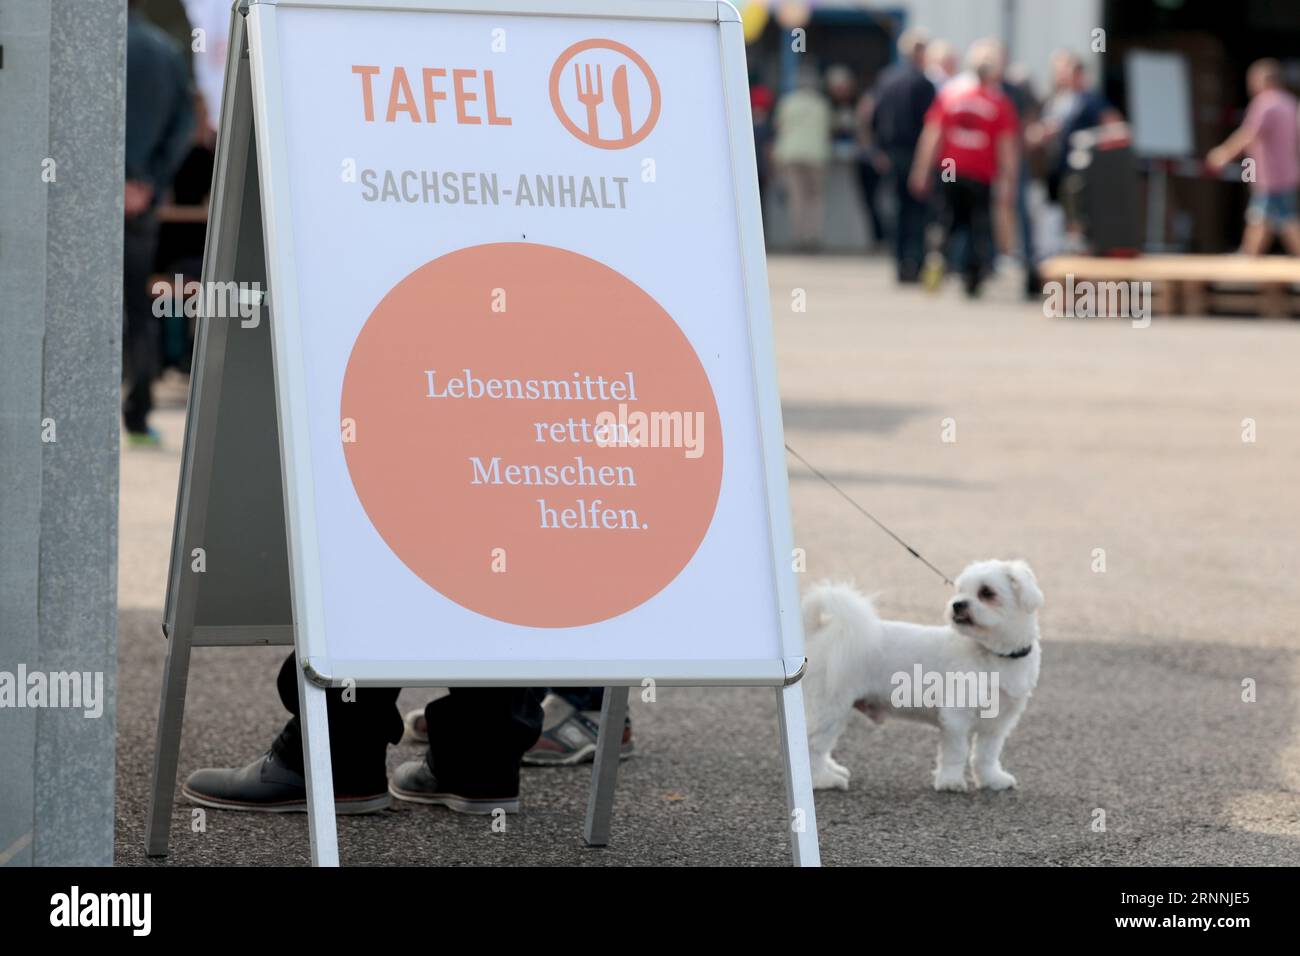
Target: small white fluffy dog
<point>856,660</point>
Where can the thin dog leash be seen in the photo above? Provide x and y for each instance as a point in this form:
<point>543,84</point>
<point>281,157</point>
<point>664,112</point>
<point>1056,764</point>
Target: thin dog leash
<point>878,523</point>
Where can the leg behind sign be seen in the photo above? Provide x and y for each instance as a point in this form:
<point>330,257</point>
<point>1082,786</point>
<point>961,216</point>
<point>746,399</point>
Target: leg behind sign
<point>362,724</point>
<point>476,737</point>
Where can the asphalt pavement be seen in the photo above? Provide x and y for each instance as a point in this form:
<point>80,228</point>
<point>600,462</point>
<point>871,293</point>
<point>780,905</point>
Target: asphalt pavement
<point>1112,458</point>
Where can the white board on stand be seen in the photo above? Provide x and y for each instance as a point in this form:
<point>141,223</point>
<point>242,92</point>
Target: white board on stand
<point>1159,103</point>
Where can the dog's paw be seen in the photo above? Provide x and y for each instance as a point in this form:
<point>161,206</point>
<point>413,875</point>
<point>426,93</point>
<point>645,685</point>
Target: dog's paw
<point>829,780</point>
<point>950,783</point>
<point>996,779</point>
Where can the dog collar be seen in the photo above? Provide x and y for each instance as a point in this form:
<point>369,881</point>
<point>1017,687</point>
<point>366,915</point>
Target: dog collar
<point>1020,653</point>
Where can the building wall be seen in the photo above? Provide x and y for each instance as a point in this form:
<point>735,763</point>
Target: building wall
<point>1032,29</point>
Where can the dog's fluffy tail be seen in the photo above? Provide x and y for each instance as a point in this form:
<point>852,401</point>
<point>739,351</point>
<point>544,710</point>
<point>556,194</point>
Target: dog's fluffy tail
<point>841,632</point>
<point>827,602</point>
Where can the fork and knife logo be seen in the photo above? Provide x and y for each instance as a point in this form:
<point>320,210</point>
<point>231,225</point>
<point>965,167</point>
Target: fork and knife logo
<point>595,73</point>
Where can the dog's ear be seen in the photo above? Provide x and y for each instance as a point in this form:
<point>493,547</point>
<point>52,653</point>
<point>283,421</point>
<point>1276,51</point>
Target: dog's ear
<point>1025,585</point>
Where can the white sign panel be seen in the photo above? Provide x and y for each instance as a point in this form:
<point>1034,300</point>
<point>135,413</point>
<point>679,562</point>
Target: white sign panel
<point>517,338</point>
<point>1160,107</point>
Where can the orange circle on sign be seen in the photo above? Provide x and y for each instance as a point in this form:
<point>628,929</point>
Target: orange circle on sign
<point>509,505</point>
<point>599,91</point>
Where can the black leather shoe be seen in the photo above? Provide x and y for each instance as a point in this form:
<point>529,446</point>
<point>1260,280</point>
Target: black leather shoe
<point>267,786</point>
<point>414,781</point>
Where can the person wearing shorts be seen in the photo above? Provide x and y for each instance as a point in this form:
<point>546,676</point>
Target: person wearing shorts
<point>1270,138</point>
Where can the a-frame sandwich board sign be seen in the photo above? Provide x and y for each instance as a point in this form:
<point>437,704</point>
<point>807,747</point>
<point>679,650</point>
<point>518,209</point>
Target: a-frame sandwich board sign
<point>501,406</point>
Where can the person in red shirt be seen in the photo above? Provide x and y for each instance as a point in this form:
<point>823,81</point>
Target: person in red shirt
<point>971,136</point>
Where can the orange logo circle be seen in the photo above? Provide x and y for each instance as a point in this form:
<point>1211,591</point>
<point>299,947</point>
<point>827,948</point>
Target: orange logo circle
<point>477,390</point>
<point>600,90</point>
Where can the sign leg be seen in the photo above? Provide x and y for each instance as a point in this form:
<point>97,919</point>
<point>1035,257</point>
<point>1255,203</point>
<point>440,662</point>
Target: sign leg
<point>317,768</point>
<point>604,775</point>
<point>167,744</point>
<point>798,776</point>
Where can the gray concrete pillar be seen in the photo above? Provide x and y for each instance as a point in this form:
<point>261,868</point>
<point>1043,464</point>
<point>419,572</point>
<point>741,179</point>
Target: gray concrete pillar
<point>62,80</point>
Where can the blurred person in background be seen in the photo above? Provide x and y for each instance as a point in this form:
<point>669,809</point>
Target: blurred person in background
<point>898,107</point>
<point>182,230</point>
<point>212,17</point>
<point>1018,88</point>
<point>972,135</point>
<point>1072,107</point>
<point>842,88</point>
<point>159,128</point>
<point>1270,136</point>
<point>802,153</point>
<point>873,166</point>
<point>942,62</point>
<point>842,91</point>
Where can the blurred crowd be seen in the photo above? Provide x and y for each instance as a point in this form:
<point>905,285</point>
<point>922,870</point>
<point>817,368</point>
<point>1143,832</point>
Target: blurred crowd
<point>964,168</point>
<point>947,147</point>
<point>172,108</point>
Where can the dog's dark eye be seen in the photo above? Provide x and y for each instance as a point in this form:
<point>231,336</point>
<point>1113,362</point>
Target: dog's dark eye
<point>987,594</point>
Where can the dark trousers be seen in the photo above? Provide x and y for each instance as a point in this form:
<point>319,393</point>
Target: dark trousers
<point>141,330</point>
<point>868,183</point>
<point>1033,281</point>
<point>969,222</point>
<point>476,735</point>
<point>1022,218</point>
<point>909,229</point>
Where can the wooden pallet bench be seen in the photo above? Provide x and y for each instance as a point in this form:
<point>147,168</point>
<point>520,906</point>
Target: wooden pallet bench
<point>1194,285</point>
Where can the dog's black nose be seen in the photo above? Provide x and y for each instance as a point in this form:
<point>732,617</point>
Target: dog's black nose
<point>958,607</point>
